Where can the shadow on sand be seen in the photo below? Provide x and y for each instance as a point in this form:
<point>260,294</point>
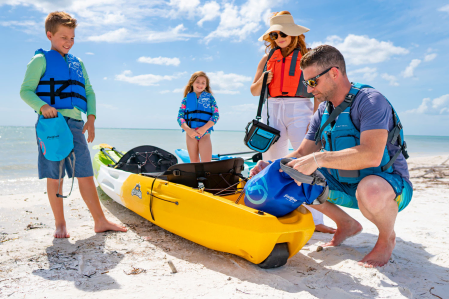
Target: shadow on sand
<point>75,262</point>
<point>309,270</point>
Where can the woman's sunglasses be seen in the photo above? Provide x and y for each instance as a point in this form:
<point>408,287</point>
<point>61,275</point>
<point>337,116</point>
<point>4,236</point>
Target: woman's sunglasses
<point>274,35</point>
<point>312,82</point>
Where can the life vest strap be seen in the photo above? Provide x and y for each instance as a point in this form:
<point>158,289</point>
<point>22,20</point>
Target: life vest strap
<point>293,63</point>
<point>198,120</point>
<point>198,111</point>
<point>58,82</point>
<point>62,95</point>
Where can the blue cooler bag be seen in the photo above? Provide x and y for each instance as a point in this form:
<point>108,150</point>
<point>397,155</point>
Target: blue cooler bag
<point>278,194</point>
<point>56,142</point>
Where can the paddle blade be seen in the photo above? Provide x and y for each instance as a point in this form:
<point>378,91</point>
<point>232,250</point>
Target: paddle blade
<point>101,146</point>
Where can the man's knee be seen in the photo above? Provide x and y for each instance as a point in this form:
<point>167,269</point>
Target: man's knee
<point>374,191</point>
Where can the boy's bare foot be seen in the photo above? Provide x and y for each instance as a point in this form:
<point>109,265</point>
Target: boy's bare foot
<point>347,230</point>
<point>106,225</point>
<point>61,231</point>
<point>380,254</point>
<point>325,229</point>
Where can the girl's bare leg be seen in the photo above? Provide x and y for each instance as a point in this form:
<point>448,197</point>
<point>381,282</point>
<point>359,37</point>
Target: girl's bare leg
<point>205,148</point>
<point>57,206</point>
<point>192,148</point>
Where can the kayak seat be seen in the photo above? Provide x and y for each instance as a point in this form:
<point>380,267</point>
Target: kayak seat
<point>146,159</point>
<point>212,176</point>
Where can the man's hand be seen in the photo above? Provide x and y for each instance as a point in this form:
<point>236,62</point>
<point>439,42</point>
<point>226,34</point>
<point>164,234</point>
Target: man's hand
<point>305,165</point>
<point>258,168</point>
<point>192,133</point>
<point>48,111</point>
<point>201,130</point>
<point>89,126</point>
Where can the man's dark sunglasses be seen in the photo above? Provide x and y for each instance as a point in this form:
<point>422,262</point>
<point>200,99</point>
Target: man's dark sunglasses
<point>274,35</point>
<point>312,82</point>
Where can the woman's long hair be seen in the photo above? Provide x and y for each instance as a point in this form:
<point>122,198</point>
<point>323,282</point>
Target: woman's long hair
<point>189,87</point>
<point>297,41</point>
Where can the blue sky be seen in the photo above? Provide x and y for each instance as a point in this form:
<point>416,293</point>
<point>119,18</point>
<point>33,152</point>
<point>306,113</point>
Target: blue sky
<point>140,54</point>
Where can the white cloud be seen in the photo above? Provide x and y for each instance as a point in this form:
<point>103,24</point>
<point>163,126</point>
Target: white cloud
<point>368,73</point>
<point>89,53</point>
<point>143,80</point>
<point>444,8</point>
<point>436,106</point>
<point>238,22</point>
<point>226,83</point>
<point>210,11</point>
<point>178,90</point>
<point>430,57</point>
<point>360,49</point>
<point>124,35</point>
<point>392,79</point>
<point>409,70</point>
<point>160,60</point>
<point>164,91</point>
<point>105,78</point>
<point>27,26</point>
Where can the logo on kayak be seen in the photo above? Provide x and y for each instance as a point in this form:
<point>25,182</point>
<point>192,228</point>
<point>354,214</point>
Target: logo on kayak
<point>136,191</point>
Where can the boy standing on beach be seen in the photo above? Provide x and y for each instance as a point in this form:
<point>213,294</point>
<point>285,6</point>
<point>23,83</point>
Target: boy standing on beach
<point>48,96</point>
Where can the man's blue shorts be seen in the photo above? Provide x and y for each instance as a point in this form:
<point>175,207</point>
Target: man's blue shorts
<point>344,194</point>
<point>83,167</point>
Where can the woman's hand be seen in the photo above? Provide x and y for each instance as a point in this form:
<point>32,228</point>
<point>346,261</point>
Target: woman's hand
<point>270,77</point>
<point>89,126</point>
<point>192,133</point>
<point>258,168</point>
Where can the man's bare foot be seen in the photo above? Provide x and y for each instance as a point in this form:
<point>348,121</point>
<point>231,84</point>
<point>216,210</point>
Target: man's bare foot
<point>344,231</point>
<point>61,231</point>
<point>108,225</point>
<point>325,229</point>
<point>380,254</point>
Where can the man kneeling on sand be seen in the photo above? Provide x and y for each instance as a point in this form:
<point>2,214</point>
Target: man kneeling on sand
<point>362,152</point>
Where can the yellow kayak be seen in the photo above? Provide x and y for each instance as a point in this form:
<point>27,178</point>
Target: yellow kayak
<point>214,221</point>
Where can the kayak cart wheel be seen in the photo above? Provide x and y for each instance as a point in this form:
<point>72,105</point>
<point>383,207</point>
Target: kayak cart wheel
<point>277,258</point>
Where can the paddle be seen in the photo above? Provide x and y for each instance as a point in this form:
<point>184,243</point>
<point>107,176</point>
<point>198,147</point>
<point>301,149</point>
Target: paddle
<point>103,146</point>
<point>242,153</point>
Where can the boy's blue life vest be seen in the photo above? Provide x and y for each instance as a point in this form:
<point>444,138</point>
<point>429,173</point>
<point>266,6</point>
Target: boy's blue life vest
<point>339,134</point>
<point>198,111</point>
<point>277,193</point>
<point>56,142</point>
<point>62,85</point>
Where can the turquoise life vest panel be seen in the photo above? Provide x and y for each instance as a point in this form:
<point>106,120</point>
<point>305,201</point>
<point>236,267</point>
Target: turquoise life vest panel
<point>62,85</point>
<point>198,111</point>
<point>337,134</point>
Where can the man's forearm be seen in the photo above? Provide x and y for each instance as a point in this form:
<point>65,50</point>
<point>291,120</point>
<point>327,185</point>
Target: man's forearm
<point>354,158</point>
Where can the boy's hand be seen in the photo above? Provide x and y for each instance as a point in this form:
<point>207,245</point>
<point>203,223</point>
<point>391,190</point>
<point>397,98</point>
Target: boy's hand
<point>193,133</point>
<point>48,111</point>
<point>90,128</point>
<point>202,130</point>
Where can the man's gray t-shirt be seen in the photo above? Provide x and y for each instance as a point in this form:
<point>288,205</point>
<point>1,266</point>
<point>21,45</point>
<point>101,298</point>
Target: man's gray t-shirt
<point>370,111</point>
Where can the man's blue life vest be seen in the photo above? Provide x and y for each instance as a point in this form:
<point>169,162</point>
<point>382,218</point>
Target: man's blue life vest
<point>198,111</point>
<point>277,193</point>
<point>337,134</point>
<point>62,85</point>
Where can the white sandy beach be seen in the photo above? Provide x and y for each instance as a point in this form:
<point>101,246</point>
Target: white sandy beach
<point>134,264</point>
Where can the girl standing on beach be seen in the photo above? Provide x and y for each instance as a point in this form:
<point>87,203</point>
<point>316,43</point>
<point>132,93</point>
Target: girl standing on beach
<point>289,105</point>
<point>197,116</point>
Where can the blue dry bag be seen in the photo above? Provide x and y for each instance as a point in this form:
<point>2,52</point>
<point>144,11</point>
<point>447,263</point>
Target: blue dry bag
<point>277,193</point>
<point>56,142</point>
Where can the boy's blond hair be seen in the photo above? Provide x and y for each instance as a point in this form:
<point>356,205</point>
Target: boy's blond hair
<point>57,18</point>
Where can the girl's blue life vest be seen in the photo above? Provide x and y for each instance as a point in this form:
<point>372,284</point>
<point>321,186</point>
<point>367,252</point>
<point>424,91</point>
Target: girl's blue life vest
<point>198,111</point>
<point>62,85</point>
<point>339,134</point>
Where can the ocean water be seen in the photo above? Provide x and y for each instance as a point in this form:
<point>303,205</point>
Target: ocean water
<point>18,150</point>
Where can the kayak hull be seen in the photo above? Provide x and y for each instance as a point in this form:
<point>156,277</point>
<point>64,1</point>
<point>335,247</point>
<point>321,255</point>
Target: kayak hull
<point>215,222</point>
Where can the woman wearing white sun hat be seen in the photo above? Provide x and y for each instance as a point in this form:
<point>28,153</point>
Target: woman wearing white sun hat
<point>289,105</point>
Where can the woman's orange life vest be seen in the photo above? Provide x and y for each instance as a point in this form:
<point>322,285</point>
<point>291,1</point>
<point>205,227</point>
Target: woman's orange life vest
<point>287,75</point>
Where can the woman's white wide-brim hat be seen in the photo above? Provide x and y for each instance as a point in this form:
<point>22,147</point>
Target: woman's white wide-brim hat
<point>286,24</point>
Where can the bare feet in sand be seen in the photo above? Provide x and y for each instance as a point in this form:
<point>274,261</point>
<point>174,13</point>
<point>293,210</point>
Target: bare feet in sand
<point>380,254</point>
<point>108,225</point>
<point>325,229</point>
<point>61,231</point>
<point>344,231</point>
